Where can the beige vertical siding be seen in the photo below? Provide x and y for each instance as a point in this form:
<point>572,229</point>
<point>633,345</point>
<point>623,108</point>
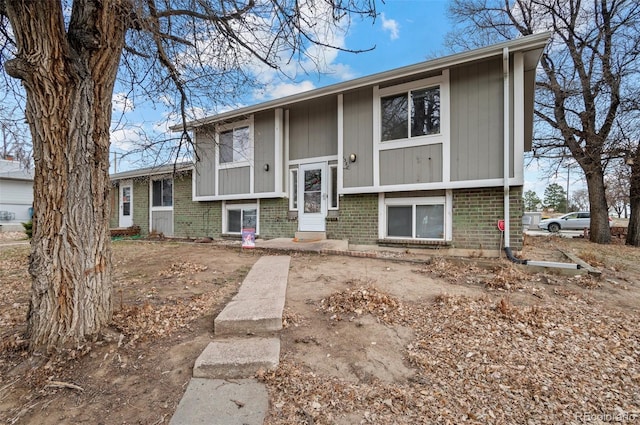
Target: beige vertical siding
<point>313,128</point>
<point>264,153</point>
<point>205,170</point>
<point>358,137</point>
<point>476,121</point>
<point>162,222</point>
<point>419,164</point>
<point>234,181</point>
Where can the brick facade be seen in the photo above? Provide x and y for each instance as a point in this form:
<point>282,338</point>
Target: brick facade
<point>475,216</point>
<point>357,219</point>
<point>194,219</point>
<point>274,220</point>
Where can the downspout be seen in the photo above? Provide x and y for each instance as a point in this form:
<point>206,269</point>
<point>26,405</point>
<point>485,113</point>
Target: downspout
<point>507,157</point>
<point>506,162</point>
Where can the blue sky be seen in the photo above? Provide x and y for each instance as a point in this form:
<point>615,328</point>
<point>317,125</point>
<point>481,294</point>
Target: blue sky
<point>406,32</point>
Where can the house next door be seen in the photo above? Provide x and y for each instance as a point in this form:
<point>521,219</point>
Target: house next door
<point>312,189</point>
<point>126,206</point>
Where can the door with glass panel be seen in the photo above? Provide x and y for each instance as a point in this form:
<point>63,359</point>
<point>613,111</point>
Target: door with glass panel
<point>312,201</point>
<point>126,206</point>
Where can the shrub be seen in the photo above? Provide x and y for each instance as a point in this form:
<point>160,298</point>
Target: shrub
<point>28,228</point>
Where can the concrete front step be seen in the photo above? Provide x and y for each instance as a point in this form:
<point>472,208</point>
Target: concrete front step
<point>258,305</point>
<point>249,317</point>
<point>310,236</point>
<point>237,358</point>
<point>215,401</point>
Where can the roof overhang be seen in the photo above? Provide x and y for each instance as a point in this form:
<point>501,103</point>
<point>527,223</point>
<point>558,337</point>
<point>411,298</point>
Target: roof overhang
<point>532,46</point>
<point>153,171</point>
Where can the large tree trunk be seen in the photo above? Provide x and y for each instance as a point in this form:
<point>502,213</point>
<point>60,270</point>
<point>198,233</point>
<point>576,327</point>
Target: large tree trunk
<point>599,232</point>
<point>633,231</point>
<point>69,78</point>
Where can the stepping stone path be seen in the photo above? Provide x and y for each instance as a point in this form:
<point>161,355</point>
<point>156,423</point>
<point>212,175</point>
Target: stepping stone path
<point>243,345</point>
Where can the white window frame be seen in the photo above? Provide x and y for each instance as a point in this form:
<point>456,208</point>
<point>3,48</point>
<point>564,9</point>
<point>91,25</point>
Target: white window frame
<point>225,211</point>
<point>445,201</point>
<point>229,127</point>
<point>330,187</point>
<point>440,81</point>
<point>293,201</point>
<point>161,207</point>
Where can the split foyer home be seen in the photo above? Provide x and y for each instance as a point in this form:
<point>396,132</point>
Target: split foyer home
<point>429,154</point>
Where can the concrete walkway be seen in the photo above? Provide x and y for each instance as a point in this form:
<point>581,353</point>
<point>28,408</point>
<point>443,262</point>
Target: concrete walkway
<point>222,390</point>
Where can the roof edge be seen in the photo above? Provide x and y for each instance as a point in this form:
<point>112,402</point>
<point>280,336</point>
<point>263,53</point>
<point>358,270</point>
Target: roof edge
<point>529,42</point>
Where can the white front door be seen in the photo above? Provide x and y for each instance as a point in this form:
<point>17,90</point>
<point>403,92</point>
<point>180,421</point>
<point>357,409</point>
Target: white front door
<point>126,204</point>
<point>312,202</point>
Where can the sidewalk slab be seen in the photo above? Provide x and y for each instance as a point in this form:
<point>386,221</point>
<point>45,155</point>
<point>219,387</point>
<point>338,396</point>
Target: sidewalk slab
<point>219,402</point>
<point>237,358</point>
<point>249,317</point>
<point>258,305</point>
<point>266,279</point>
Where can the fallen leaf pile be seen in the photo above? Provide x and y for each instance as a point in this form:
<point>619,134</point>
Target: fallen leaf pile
<point>361,300</point>
<point>148,321</point>
<point>501,276</point>
<point>481,361</point>
<point>182,269</point>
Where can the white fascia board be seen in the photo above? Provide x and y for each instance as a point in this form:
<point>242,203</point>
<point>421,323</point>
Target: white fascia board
<point>240,196</point>
<point>465,184</point>
<point>531,42</point>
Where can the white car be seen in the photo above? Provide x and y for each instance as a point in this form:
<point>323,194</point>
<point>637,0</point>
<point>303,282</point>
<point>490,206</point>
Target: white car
<point>571,221</point>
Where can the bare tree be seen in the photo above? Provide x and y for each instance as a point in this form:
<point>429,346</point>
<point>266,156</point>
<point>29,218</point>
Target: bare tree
<point>588,70</point>
<point>68,54</point>
<point>618,182</point>
<point>579,200</point>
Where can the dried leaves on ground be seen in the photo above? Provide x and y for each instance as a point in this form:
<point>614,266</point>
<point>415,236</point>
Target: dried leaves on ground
<point>478,360</point>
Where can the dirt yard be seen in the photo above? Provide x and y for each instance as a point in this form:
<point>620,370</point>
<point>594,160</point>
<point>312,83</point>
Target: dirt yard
<point>405,340</point>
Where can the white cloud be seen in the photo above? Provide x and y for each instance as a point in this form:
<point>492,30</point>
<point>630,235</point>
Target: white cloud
<point>126,139</point>
<point>121,103</point>
<point>276,91</point>
<point>392,26</point>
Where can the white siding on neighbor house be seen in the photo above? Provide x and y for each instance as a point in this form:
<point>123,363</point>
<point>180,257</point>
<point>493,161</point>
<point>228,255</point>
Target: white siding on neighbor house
<point>16,197</point>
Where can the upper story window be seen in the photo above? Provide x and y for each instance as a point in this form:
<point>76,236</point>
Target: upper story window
<point>411,114</point>
<point>413,111</point>
<point>235,145</point>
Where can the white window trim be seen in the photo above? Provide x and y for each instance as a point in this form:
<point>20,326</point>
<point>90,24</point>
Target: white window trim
<point>230,126</point>
<point>292,191</point>
<point>161,208</point>
<point>330,187</point>
<point>225,209</point>
<point>446,201</point>
<point>442,138</point>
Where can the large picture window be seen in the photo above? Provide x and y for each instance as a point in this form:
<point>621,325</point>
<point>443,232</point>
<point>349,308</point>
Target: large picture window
<point>162,193</point>
<point>410,114</point>
<point>415,218</point>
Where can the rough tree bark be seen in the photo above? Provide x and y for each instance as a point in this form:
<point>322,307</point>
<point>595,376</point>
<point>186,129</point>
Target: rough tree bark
<point>633,231</point>
<point>69,76</point>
